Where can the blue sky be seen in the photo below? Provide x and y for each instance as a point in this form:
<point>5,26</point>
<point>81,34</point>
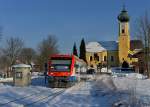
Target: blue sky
<point>69,20</point>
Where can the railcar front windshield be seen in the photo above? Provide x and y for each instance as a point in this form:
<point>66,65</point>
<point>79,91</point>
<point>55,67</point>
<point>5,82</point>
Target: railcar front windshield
<point>60,65</point>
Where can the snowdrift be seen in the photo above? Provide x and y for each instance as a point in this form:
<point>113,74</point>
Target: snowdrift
<point>104,83</point>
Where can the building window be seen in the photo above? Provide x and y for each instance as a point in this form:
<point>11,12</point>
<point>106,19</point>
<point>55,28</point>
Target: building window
<point>104,58</point>
<point>112,58</point>
<point>18,74</point>
<point>96,57</point>
<point>123,31</point>
<point>91,58</point>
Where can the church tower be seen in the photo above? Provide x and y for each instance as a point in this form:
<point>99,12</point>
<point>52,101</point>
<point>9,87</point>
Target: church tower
<point>124,36</point>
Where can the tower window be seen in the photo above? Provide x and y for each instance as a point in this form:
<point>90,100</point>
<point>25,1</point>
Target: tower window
<point>123,31</point>
<point>112,58</point>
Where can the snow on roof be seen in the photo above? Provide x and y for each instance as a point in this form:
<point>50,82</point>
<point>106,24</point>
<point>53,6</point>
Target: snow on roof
<point>94,47</point>
<point>21,65</point>
<point>109,45</point>
<point>32,63</point>
<point>101,46</point>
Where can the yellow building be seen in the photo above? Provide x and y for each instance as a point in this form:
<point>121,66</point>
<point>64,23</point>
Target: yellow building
<point>113,53</point>
<point>103,53</point>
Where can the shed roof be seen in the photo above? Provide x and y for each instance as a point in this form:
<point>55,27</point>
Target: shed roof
<point>21,65</point>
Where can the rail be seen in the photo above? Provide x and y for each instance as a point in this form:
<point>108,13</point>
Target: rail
<point>38,95</point>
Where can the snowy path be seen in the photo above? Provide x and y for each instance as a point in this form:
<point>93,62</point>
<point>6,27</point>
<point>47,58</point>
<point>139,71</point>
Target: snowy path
<point>76,96</point>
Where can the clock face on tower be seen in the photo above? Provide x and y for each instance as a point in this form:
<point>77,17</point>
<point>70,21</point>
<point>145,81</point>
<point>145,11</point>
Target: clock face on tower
<point>122,26</point>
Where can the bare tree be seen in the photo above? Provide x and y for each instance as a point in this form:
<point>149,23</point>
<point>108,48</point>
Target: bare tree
<point>12,50</point>
<point>27,55</point>
<point>4,64</point>
<point>46,48</point>
<point>143,32</point>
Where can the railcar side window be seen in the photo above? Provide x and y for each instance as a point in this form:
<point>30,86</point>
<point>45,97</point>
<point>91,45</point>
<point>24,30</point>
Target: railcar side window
<point>77,68</point>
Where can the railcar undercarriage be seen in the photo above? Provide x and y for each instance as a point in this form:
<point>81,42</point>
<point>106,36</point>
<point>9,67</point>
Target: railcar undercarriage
<point>60,82</point>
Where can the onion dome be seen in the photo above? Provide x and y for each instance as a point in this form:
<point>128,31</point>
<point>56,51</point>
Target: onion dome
<point>123,16</point>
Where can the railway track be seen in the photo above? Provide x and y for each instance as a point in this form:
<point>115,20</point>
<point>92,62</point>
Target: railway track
<point>32,99</point>
<point>44,99</point>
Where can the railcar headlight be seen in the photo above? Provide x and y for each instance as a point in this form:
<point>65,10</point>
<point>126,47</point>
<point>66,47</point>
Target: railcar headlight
<point>66,67</point>
<point>51,73</point>
<point>52,67</point>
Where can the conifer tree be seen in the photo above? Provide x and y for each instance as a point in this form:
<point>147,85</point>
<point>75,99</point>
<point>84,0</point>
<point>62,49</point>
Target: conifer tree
<point>83,50</point>
<point>75,52</point>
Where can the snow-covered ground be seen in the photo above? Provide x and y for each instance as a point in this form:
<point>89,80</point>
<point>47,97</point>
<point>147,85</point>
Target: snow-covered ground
<point>6,79</point>
<point>137,88</point>
<point>102,91</point>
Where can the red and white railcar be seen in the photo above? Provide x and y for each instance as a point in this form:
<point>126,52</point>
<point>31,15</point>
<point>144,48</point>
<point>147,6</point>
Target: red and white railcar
<point>65,70</point>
